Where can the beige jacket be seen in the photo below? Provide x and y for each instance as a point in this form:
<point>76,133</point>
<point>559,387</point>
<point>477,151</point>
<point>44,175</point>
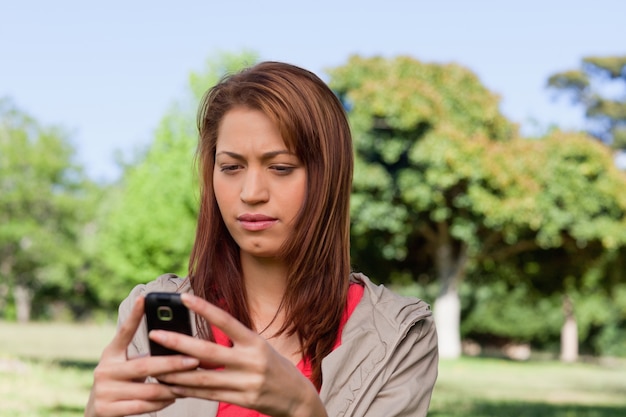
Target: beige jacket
<point>386,364</point>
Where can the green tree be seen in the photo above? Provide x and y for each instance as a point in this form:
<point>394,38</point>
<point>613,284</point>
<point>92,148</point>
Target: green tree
<point>600,87</point>
<point>150,222</point>
<point>419,131</point>
<point>577,224</point>
<point>443,183</point>
<point>45,207</point>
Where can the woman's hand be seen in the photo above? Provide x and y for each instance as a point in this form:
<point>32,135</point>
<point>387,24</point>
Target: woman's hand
<point>250,374</point>
<point>119,388</point>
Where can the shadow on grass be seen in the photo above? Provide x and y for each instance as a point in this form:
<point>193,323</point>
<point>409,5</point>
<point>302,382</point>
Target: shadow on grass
<point>527,409</point>
<point>76,364</point>
<point>63,410</point>
<point>79,364</point>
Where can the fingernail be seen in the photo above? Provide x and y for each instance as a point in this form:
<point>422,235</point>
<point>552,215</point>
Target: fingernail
<point>158,336</point>
<point>186,298</point>
<point>178,391</point>
<point>190,362</point>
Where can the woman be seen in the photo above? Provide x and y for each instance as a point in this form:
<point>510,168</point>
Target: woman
<point>282,326</point>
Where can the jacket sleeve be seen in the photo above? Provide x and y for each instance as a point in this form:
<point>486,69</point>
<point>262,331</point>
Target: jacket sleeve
<point>409,376</point>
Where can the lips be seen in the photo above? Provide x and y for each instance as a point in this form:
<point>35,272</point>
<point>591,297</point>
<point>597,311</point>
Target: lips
<point>256,222</point>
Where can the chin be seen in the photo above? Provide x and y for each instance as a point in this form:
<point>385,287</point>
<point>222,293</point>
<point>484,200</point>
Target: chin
<point>260,248</point>
<point>260,252</point>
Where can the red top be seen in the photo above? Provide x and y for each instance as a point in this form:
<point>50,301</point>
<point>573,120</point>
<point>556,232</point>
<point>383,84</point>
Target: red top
<point>355,292</point>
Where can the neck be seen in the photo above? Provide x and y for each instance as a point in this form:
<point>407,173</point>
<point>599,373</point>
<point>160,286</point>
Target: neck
<point>265,282</point>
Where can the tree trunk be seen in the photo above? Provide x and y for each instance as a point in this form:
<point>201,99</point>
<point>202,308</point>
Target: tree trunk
<point>569,332</point>
<point>6,268</point>
<point>447,312</point>
<point>447,306</point>
<point>4,294</point>
<point>23,297</point>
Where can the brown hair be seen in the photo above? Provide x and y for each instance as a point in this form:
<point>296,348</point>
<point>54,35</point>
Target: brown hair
<point>313,125</point>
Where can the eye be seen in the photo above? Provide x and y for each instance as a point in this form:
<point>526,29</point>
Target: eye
<point>282,169</point>
<point>229,168</point>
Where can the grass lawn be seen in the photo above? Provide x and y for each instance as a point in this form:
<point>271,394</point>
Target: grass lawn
<point>46,371</point>
<point>481,387</point>
<point>46,368</point>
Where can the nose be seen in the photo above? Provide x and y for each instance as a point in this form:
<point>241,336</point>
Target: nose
<point>254,188</point>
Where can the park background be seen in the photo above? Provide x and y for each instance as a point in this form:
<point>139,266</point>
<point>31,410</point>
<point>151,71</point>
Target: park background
<point>494,197</point>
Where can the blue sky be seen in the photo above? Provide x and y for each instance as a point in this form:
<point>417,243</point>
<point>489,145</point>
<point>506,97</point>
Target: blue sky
<point>108,71</point>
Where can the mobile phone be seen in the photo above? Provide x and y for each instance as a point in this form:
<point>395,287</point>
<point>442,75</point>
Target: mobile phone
<point>166,311</point>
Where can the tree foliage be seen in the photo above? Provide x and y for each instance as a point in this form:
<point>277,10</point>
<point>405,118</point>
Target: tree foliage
<point>444,184</point>
<point>600,87</point>
<point>46,205</point>
<point>419,132</point>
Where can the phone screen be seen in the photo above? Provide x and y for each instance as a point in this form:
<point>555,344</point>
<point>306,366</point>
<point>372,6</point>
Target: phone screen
<point>166,311</point>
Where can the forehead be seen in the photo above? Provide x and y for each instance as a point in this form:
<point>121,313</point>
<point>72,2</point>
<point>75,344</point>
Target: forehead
<point>283,128</point>
<point>242,126</point>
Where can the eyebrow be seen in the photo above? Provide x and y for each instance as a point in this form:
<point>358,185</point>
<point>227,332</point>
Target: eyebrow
<point>265,156</point>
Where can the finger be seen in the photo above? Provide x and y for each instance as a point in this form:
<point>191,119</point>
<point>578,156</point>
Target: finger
<point>127,329</point>
<point>141,368</point>
<point>211,355</point>
<point>217,394</point>
<point>210,385</point>
<point>236,331</point>
<point>124,391</point>
<point>213,380</point>
<point>133,407</point>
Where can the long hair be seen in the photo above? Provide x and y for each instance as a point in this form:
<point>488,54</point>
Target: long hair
<point>314,126</point>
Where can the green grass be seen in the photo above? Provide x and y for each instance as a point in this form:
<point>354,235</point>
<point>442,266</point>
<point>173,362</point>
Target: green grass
<point>480,387</point>
<point>46,371</point>
<point>46,368</point>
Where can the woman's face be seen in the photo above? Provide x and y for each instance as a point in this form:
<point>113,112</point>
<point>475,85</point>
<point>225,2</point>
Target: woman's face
<point>259,185</point>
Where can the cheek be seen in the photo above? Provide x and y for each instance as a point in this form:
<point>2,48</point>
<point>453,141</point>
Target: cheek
<point>222,194</point>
